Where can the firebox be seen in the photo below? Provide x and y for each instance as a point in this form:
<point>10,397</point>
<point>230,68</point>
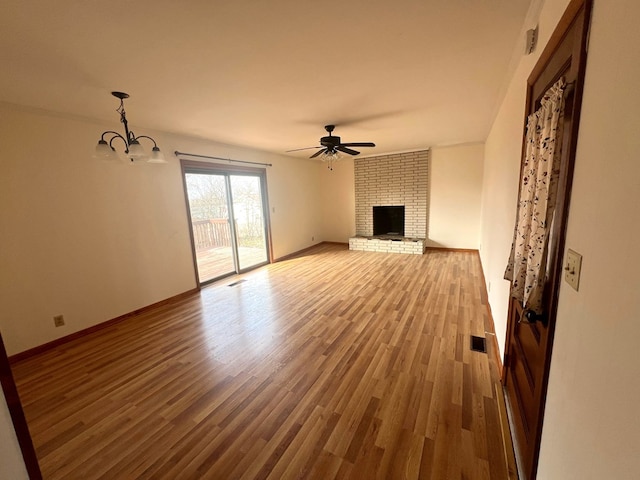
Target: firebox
<point>388,220</point>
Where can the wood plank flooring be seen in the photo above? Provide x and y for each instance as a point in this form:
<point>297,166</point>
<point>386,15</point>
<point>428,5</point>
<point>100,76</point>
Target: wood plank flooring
<point>336,364</point>
<point>216,262</point>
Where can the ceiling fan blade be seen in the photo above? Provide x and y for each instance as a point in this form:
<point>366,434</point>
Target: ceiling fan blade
<point>298,149</point>
<point>319,152</point>
<point>344,149</point>
<point>358,144</point>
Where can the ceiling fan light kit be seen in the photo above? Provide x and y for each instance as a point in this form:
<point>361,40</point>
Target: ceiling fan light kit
<point>330,156</point>
<point>133,150</point>
<point>331,147</point>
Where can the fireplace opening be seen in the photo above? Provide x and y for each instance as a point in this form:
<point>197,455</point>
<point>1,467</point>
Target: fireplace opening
<point>388,220</point>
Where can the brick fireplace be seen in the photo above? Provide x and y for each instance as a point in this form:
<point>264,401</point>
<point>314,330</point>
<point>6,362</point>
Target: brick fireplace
<point>392,180</point>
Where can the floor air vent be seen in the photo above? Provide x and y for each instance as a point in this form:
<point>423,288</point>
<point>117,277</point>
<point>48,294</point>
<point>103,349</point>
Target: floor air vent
<point>478,344</point>
<point>236,283</point>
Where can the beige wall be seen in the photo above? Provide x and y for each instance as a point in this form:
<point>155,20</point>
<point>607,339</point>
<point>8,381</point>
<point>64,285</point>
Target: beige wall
<point>591,428</point>
<point>499,195</point>
<point>11,461</point>
<point>338,201</point>
<point>93,241</point>
<point>456,190</point>
<point>592,406</point>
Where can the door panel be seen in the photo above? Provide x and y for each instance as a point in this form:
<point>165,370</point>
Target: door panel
<point>18,420</point>
<point>208,204</point>
<point>529,342</point>
<point>229,223</point>
<point>248,212</point>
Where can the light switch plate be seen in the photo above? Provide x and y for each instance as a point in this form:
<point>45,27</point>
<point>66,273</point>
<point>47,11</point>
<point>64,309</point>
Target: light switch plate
<point>572,268</point>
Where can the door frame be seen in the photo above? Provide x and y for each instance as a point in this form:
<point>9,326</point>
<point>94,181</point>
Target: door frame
<point>546,72</point>
<point>194,166</point>
<point>18,419</point>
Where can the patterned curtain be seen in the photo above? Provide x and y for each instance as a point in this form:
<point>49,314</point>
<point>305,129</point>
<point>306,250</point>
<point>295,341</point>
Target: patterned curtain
<point>538,188</point>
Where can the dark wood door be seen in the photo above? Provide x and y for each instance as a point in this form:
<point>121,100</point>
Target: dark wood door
<point>529,341</point>
<point>17,416</point>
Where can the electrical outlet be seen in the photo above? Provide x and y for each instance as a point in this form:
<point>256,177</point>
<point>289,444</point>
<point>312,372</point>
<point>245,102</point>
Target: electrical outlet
<point>58,320</point>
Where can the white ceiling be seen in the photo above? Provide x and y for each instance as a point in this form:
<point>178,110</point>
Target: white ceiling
<point>405,74</point>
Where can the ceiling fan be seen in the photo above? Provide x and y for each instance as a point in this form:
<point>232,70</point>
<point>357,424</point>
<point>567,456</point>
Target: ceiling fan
<point>331,144</point>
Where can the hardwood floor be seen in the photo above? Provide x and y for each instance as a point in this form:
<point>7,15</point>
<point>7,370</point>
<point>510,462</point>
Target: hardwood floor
<point>216,262</point>
<point>338,364</point>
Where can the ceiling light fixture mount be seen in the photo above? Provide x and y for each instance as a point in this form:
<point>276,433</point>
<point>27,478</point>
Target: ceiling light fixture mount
<point>132,148</point>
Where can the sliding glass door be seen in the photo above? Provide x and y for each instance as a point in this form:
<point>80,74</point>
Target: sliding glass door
<point>248,212</point>
<point>210,224</point>
<point>227,208</point>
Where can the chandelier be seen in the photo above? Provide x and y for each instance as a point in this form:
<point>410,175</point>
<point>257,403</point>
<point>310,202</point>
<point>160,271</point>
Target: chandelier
<point>132,148</point>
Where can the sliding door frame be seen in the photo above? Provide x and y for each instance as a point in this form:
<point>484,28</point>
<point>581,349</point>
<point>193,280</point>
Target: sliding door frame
<point>210,168</point>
